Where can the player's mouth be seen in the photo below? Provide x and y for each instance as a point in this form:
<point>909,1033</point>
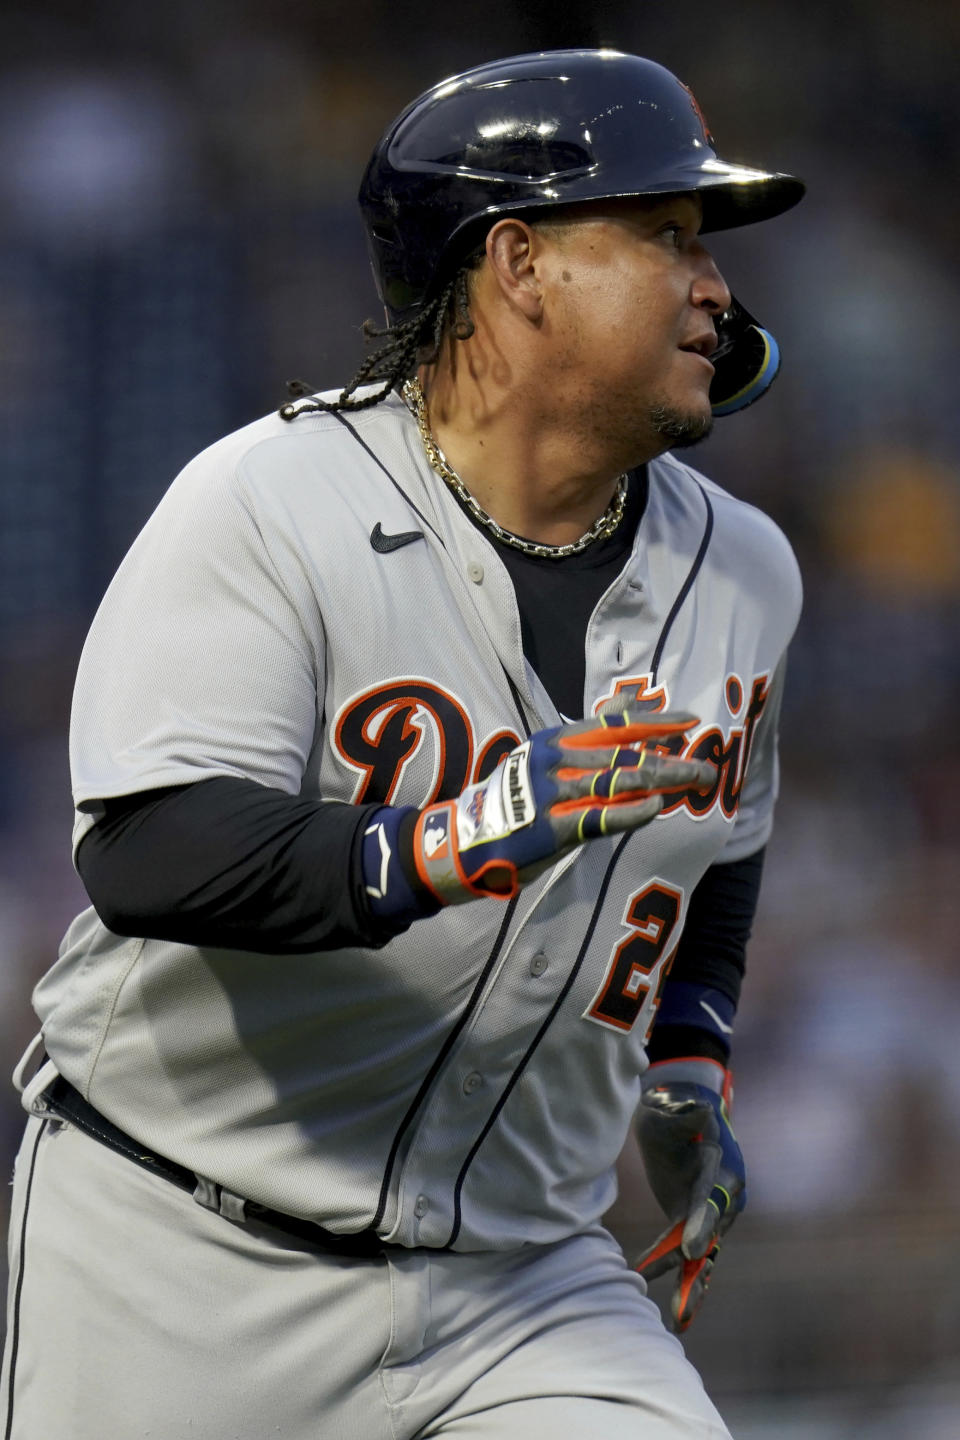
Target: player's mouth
<point>701,359</point>
<point>702,347</point>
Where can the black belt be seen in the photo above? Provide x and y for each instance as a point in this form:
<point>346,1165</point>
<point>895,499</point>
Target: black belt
<point>68,1104</point>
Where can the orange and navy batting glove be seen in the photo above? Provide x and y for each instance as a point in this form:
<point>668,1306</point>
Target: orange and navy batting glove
<point>695,1170</point>
<point>559,789</point>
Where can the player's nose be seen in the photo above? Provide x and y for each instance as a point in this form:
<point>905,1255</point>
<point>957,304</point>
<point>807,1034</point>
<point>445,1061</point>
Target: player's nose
<point>709,291</point>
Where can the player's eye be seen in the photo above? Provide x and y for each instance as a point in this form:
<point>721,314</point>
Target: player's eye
<point>672,232</point>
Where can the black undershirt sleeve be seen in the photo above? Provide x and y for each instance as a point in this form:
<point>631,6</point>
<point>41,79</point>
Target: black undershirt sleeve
<point>712,952</point>
<point>712,949</point>
<point>229,863</point>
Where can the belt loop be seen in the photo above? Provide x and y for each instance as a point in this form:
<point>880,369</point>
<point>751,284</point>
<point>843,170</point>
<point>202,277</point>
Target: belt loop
<point>206,1194</point>
<point>222,1202</point>
<point>232,1207</point>
<point>32,1089</point>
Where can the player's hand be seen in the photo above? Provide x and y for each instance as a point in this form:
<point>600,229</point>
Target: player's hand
<point>561,788</point>
<point>695,1170</point>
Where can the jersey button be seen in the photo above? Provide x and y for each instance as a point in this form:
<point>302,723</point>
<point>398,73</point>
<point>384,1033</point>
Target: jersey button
<point>473,1082</point>
<point>538,964</point>
<point>475,571</point>
<point>421,1207</point>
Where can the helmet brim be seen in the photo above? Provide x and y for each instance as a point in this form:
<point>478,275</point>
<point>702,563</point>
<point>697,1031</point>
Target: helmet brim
<point>732,195</point>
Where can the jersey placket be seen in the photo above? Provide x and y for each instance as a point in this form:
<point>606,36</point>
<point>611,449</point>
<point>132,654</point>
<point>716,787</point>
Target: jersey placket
<point>525,985</point>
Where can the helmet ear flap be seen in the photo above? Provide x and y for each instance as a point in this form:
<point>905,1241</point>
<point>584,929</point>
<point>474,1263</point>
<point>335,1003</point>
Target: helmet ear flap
<point>746,361</point>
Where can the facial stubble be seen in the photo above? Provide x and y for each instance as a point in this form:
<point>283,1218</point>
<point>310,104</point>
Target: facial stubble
<point>679,429</point>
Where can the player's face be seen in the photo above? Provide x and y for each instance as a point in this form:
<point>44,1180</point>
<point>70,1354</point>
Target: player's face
<point>632,297</point>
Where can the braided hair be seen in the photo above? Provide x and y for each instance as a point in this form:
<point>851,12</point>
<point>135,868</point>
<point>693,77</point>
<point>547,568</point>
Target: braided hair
<point>405,347</point>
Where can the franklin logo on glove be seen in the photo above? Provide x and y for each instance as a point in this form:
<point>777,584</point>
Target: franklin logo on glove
<point>521,800</point>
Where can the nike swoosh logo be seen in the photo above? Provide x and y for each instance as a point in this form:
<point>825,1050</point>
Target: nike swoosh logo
<point>724,1029</point>
<point>383,544</point>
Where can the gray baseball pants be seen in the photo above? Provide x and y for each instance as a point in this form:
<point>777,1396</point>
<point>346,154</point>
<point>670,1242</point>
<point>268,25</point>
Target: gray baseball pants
<point>134,1312</point>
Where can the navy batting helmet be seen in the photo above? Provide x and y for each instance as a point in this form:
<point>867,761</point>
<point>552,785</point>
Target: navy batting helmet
<point>534,132</point>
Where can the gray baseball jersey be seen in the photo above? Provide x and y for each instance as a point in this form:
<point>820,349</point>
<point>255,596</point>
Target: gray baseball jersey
<point>471,1083</point>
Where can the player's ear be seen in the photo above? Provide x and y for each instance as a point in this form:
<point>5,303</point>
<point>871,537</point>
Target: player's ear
<point>512,252</point>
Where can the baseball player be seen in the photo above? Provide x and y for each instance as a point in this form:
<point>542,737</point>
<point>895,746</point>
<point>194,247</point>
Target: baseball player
<point>424,755</point>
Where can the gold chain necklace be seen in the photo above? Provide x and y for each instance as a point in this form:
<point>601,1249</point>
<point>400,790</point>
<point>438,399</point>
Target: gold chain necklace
<point>599,530</point>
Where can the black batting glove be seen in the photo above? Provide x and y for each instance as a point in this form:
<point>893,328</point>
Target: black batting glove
<point>695,1170</point>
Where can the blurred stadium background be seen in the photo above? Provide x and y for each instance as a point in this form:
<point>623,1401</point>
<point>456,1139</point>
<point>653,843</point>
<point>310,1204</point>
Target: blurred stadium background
<point>178,236</point>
